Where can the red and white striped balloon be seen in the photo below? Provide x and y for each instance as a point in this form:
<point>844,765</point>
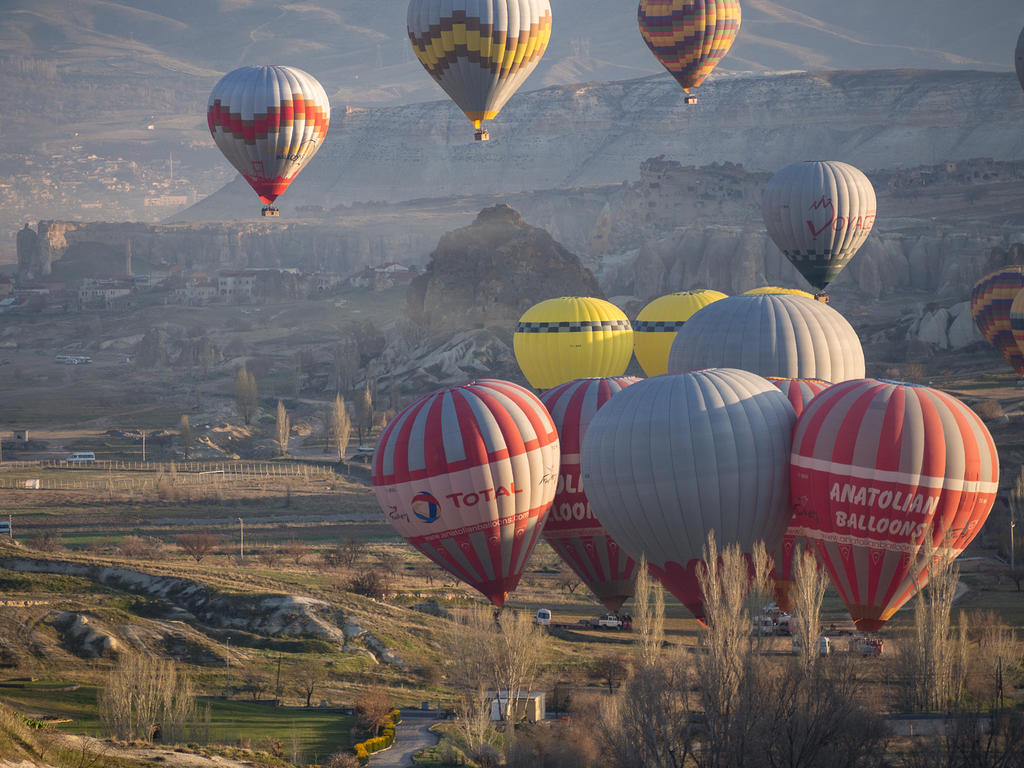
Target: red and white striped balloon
<point>572,530</point>
<point>875,466</point>
<point>467,474</point>
<point>799,392</point>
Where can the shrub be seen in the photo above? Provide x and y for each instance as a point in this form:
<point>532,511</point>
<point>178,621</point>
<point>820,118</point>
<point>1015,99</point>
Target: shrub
<point>989,410</point>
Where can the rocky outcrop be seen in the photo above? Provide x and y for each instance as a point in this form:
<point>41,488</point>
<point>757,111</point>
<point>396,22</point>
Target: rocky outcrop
<point>84,637</point>
<point>489,273</point>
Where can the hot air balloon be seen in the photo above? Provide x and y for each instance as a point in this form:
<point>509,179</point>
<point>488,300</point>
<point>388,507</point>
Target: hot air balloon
<point>799,392</point>
<point>479,51</point>
<point>991,303</point>
<point>268,122</point>
<point>571,529</point>
<point>771,335</point>
<point>876,466</point>
<point>1020,58</point>
<point>689,37</point>
<point>467,474</point>
<point>775,290</point>
<point>819,214</point>
<point>656,326</point>
<point>1017,320</point>
<point>570,338</point>
<point>670,458</point>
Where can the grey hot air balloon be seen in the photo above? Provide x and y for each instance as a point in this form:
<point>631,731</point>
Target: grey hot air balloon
<point>1020,58</point>
<point>819,214</point>
<point>670,458</point>
<point>790,337</point>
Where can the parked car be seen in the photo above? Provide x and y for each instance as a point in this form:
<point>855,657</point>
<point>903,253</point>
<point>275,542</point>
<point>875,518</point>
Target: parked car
<point>824,646</point>
<point>543,617</point>
<point>81,457</point>
<point>608,621</point>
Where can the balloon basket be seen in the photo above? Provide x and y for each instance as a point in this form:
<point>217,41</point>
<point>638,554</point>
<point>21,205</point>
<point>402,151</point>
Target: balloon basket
<point>691,99</point>
<point>822,297</point>
<point>270,211</point>
<point>482,134</point>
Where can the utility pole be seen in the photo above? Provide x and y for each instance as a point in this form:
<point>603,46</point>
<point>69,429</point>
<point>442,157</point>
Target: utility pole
<point>143,446</point>
<point>277,685</point>
<point>241,539</point>
<point>1013,524</point>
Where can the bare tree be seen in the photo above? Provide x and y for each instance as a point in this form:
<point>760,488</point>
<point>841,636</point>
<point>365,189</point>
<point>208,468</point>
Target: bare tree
<point>648,619</point>
<point>246,395</point>
<point>809,584</point>
<point>611,669</point>
<point>197,545</point>
<point>309,677</point>
<point>373,706</point>
<point>295,551</point>
<point>364,409</point>
<point>341,426</point>
<point>185,435</point>
<point>934,660</point>
<point>145,695</point>
<point>568,580</point>
<point>282,429</point>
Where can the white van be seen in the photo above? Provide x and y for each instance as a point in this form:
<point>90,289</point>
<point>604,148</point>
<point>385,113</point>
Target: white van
<point>82,457</point>
<point>543,617</point>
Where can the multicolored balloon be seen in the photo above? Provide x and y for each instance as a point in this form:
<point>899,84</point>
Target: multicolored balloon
<point>799,392</point>
<point>467,474</point>
<point>689,37</point>
<point>789,337</point>
<point>1017,320</point>
<point>269,122</point>
<point>574,337</point>
<point>991,302</point>
<point>671,458</point>
<point>571,529</point>
<point>657,324</point>
<point>819,214</point>
<point>479,51</point>
<point>878,466</point>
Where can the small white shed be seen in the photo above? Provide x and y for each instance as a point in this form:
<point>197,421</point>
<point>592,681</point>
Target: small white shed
<point>529,706</point>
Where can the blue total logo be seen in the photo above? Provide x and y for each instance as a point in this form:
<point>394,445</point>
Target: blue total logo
<point>425,506</point>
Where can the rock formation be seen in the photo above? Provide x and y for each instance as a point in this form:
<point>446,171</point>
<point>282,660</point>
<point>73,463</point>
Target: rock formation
<point>489,273</point>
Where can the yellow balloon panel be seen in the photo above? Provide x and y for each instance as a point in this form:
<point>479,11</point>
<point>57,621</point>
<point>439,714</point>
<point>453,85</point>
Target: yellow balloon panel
<point>775,290</point>
<point>658,322</point>
<point>573,337</point>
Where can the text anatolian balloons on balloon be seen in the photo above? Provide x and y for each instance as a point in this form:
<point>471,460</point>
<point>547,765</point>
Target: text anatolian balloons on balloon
<point>671,458</point>
<point>467,474</point>
<point>877,467</point>
<point>571,529</point>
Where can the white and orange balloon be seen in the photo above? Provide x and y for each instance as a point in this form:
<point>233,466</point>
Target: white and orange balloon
<point>467,475</point>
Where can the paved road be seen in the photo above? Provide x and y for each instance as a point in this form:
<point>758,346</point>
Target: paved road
<point>412,735</point>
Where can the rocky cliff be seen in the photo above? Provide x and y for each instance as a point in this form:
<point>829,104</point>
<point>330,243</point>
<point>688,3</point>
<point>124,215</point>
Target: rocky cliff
<point>601,132</point>
<point>489,273</point>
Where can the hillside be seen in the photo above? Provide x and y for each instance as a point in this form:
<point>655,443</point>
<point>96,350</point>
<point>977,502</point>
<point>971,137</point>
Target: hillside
<point>602,132</point>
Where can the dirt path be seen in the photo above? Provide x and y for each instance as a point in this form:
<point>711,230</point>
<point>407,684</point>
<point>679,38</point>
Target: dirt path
<point>151,754</point>
<point>412,735</point>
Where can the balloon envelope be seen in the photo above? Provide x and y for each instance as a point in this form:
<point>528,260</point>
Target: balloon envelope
<point>819,214</point>
<point>799,392</point>
<point>1017,321</point>
<point>789,337</point>
<point>775,290</point>
<point>268,122</point>
<point>479,51</point>
<point>658,322</point>
<point>671,458</point>
<point>571,529</point>
<point>467,474</point>
<point>689,37</point>
<point>573,337</point>
<point>875,466</point>
<point>991,303</point>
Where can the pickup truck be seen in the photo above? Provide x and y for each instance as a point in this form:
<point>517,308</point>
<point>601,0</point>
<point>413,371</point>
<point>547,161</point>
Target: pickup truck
<point>608,621</point>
